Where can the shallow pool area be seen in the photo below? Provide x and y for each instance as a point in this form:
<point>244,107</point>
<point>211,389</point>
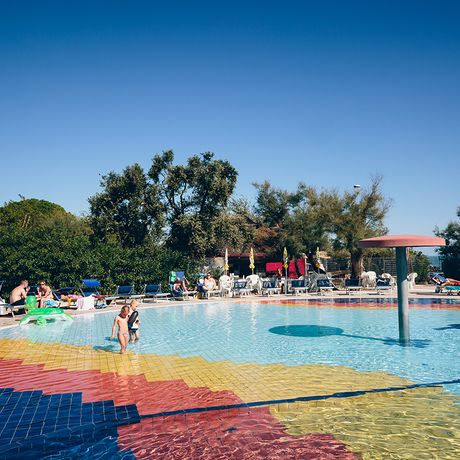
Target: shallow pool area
<point>294,378</point>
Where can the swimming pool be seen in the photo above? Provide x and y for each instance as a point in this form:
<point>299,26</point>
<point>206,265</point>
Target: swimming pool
<point>259,379</point>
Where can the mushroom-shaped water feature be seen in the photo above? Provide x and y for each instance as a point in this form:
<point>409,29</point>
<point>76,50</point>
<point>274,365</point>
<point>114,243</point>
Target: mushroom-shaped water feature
<point>401,243</point>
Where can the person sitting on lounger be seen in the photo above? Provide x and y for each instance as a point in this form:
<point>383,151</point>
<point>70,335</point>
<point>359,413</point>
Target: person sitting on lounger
<point>443,281</point>
<point>19,294</point>
<point>44,294</point>
<point>185,284</point>
<point>209,283</point>
<point>177,288</point>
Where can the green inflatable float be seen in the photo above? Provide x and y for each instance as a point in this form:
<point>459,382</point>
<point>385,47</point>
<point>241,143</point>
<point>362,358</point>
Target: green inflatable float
<point>41,315</point>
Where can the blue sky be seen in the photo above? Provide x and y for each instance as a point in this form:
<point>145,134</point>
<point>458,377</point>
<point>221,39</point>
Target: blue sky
<point>323,92</point>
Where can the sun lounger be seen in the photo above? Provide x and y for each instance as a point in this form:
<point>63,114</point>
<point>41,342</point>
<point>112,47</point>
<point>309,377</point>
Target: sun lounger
<point>450,290</point>
<point>269,287</point>
<point>154,291</point>
<point>126,293</point>
<point>33,290</point>
<point>444,284</point>
<point>183,295</point>
<point>90,288</point>
<point>6,308</point>
<point>298,287</point>
<point>65,295</point>
<point>212,293</point>
<point>352,285</point>
<point>383,285</point>
<point>324,285</point>
<point>240,288</point>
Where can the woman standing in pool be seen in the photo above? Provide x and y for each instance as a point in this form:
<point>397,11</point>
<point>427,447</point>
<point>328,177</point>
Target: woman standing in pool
<point>122,322</point>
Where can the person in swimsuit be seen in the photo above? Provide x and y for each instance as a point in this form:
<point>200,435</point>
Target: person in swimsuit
<point>209,283</point>
<point>133,322</point>
<point>44,294</point>
<point>177,290</point>
<point>123,334</point>
<point>19,294</point>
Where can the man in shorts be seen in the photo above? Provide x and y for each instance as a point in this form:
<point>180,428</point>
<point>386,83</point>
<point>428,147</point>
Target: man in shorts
<point>19,294</point>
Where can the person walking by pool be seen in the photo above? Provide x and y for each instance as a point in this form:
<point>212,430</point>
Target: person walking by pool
<point>44,294</point>
<point>133,322</point>
<point>19,294</point>
<point>123,334</point>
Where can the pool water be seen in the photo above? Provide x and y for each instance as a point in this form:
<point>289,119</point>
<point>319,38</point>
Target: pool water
<point>366,340</point>
<point>261,379</point>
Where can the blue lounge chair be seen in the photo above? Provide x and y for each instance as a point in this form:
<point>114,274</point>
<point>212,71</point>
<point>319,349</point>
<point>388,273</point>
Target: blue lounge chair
<point>324,285</point>
<point>270,287</point>
<point>445,284</point>
<point>90,288</point>
<point>64,292</point>
<point>154,291</point>
<point>298,287</point>
<point>352,285</point>
<point>33,290</point>
<point>383,285</point>
<point>450,290</point>
<point>240,288</point>
<point>124,292</point>
<point>58,293</point>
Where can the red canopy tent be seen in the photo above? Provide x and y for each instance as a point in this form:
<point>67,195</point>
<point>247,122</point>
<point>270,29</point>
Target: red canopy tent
<point>273,267</point>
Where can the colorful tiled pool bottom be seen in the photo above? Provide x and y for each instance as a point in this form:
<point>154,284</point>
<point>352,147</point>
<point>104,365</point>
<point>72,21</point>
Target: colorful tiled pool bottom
<point>370,302</point>
<point>67,401</point>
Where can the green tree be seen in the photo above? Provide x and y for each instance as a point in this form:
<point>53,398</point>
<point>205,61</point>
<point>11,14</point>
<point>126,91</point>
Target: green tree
<point>128,208</point>
<point>357,215</point>
<point>451,252</point>
<point>40,240</point>
<point>420,264</point>
<point>271,215</point>
<point>196,197</point>
<point>28,214</point>
<point>309,225</point>
<point>235,229</point>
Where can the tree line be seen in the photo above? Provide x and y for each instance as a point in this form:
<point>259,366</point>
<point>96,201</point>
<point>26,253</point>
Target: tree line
<point>144,223</point>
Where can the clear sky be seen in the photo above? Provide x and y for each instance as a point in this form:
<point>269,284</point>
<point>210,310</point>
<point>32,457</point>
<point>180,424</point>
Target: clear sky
<point>325,92</point>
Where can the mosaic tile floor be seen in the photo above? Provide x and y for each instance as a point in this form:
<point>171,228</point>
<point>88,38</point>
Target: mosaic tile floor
<point>62,400</point>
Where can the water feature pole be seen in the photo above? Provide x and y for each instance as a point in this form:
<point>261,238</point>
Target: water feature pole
<point>403,294</point>
<point>401,243</point>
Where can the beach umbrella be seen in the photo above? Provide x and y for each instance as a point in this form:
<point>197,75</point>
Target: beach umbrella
<point>251,260</point>
<point>285,265</point>
<point>317,257</point>
<point>226,261</point>
<point>285,258</point>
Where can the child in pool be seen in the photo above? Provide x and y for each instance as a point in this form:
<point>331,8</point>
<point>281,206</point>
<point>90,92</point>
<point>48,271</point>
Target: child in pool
<point>123,334</point>
<point>133,322</point>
